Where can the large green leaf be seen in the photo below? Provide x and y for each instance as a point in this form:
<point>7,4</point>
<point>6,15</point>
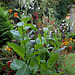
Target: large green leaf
<point>20,30</point>
<point>26,19</point>
<point>47,72</point>
<point>38,59</point>
<point>53,43</point>
<point>25,41</point>
<point>16,64</point>
<point>15,33</point>
<point>17,49</point>
<point>20,23</point>
<point>24,70</point>
<point>38,46</point>
<point>44,66</point>
<point>35,53</point>
<point>52,60</point>
<point>27,72</point>
<point>35,68</point>
<point>32,63</point>
<point>32,26</point>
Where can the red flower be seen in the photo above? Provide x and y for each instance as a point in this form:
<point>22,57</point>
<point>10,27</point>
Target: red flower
<point>60,55</point>
<point>56,64</point>
<point>8,72</point>
<point>32,17</point>
<point>61,69</point>
<point>38,72</point>
<point>66,51</point>
<point>52,22</point>
<point>59,59</point>
<point>62,41</point>
<point>72,65</point>
<point>53,50</point>
<point>20,58</point>
<point>61,46</point>
<point>9,62</point>
<point>70,47</point>
<point>36,15</point>
<point>63,53</point>
<point>70,56</point>
<point>67,56</point>
<point>8,65</point>
<point>70,59</point>
<point>10,52</point>
<point>43,45</point>
<point>4,67</point>
<point>64,64</point>
<point>11,70</point>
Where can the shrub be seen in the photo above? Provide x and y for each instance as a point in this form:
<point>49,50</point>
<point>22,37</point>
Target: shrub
<point>5,27</point>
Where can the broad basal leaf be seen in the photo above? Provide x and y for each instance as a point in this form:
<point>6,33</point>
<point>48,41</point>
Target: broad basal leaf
<point>16,64</point>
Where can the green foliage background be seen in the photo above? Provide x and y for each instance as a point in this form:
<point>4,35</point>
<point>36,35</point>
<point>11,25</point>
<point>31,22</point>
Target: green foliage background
<point>5,27</point>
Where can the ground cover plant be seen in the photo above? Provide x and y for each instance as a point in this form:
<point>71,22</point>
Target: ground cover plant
<point>68,64</point>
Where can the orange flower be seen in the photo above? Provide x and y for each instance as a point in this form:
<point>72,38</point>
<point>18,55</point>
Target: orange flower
<point>67,17</point>
<point>16,14</point>
<point>64,26</point>
<point>9,49</point>
<point>10,10</point>
<point>65,43</point>
<point>66,38</point>
<point>71,39</point>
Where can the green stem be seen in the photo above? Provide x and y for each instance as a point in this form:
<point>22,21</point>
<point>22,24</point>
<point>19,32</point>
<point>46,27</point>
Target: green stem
<point>23,32</point>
